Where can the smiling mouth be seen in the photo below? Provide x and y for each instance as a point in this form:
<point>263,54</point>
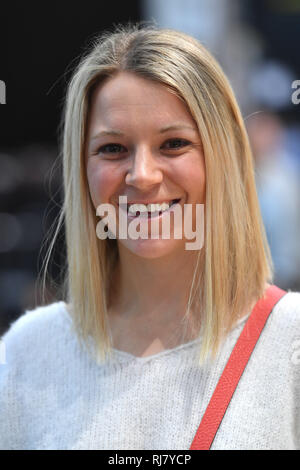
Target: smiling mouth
<point>152,213</point>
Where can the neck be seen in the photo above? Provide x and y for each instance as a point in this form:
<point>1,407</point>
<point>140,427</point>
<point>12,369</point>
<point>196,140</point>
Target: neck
<point>145,288</point>
<point>149,301</point>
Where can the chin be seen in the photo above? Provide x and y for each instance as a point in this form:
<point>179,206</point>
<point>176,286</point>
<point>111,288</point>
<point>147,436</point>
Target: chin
<point>151,249</point>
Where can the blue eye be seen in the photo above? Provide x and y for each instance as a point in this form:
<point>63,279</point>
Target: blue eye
<point>170,145</point>
<point>110,148</point>
<point>177,144</point>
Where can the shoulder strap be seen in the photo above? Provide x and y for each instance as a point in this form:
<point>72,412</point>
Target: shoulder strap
<point>234,368</point>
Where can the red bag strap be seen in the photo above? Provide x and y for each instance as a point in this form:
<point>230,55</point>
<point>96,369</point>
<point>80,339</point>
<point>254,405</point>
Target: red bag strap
<point>234,368</point>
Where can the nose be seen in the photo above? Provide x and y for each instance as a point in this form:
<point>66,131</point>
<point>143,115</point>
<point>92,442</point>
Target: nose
<point>144,172</point>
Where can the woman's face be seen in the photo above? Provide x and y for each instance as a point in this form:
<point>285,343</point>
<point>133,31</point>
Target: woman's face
<point>143,143</point>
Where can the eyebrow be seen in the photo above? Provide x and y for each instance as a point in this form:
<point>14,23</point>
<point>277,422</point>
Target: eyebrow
<point>173,127</point>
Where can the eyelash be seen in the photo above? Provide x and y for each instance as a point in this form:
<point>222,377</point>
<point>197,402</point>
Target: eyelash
<point>185,144</point>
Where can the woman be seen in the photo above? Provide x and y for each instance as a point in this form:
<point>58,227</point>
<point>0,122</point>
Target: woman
<point>132,359</point>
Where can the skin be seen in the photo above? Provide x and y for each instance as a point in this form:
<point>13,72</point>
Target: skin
<point>152,281</point>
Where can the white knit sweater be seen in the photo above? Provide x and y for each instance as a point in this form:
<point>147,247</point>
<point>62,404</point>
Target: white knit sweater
<point>54,396</point>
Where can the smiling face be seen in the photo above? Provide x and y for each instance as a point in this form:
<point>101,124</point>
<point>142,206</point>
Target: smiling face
<point>143,143</point>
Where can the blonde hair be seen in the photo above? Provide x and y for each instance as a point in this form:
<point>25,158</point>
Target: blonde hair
<point>236,257</point>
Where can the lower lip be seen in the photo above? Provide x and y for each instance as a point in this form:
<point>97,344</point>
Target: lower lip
<point>148,217</point>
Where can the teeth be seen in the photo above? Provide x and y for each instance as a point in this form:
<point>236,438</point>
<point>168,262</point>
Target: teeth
<point>142,208</point>
<point>164,206</point>
<point>137,208</point>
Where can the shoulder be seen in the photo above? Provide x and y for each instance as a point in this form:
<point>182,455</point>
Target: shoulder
<point>286,313</point>
<point>35,348</point>
<point>36,320</point>
<point>280,342</point>
<point>36,330</point>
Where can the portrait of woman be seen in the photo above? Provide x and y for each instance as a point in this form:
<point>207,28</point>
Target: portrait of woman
<point>131,357</point>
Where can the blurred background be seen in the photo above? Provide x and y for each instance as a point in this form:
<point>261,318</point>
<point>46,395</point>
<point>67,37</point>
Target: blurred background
<point>257,44</point>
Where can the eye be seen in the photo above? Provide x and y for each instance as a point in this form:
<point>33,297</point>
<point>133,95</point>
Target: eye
<point>176,144</point>
<point>111,149</point>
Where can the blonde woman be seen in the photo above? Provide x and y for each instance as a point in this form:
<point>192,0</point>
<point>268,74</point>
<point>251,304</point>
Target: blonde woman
<point>132,356</point>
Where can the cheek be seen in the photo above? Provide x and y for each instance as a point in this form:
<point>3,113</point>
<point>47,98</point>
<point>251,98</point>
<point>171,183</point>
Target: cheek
<point>192,179</point>
<point>197,184</point>
<point>102,181</point>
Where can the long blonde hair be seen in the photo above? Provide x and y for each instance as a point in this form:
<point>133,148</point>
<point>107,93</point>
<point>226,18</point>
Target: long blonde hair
<point>236,257</point>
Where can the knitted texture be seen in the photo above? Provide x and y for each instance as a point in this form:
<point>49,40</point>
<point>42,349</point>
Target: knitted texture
<point>54,396</point>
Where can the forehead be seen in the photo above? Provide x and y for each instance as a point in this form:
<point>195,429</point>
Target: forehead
<point>127,97</point>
